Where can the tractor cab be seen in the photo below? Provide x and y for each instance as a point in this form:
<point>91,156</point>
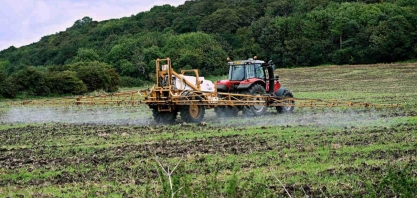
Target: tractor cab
<point>246,70</point>
<point>244,73</point>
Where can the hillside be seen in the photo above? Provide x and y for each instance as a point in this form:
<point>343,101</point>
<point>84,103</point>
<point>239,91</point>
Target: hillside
<point>200,34</point>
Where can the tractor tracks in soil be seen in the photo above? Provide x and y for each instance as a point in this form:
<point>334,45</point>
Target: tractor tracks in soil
<point>37,154</point>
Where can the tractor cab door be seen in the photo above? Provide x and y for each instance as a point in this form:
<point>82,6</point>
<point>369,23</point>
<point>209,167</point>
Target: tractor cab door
<point>260,71</point>
<point>237,73</point>
<point>255,71</point>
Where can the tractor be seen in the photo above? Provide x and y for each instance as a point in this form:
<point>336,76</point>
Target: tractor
<point>253,77</point>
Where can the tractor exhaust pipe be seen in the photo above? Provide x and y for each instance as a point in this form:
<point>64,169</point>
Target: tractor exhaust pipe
<point>271,76</point>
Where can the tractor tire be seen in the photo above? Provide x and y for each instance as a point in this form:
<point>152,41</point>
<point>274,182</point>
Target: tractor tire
<point>192,113</point>
<point>164,117</point>
<point>286,109</point>
<point>255,90</point>
<point>226,111</point>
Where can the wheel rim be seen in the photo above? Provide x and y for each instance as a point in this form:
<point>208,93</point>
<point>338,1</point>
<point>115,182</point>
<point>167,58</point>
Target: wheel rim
<point>194,111</point>
<point>257,108</point>
<point>288,103</point>
<point>288,108</point>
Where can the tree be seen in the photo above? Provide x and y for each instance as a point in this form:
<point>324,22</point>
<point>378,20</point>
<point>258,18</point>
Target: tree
<point>8,88</point>
<point>280,8</point>
<point>405,3</point>
<point>128,69</point>
<point>146,62</point>
<point>3,84</point>
<point>3,75</point>
<point>392,38</point>
<point>390,41</point>
<point>65,52</point>
<point>96,75</point>
<point>31,80</point>
<point>186,24</point>
<point>86,55</point>
<point>82,22</point>
<point>196,50</point>
<point>7,67</point>
<point>248,45</point>
<point>121,51</point>
<point>159,17</point>
<point>221,21</point>
<point>66,82</point>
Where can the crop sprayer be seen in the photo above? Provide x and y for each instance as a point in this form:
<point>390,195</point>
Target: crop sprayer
<point>251,88</point>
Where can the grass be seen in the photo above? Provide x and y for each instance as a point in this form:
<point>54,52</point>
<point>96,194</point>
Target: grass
<point>314,152</point>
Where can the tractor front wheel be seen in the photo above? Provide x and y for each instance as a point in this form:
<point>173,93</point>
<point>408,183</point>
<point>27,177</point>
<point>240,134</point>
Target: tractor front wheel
<point>256,110</point>
<point>288,104</point>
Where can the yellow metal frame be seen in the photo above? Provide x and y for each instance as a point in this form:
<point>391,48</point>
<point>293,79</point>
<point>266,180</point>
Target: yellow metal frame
<point>123,98</point>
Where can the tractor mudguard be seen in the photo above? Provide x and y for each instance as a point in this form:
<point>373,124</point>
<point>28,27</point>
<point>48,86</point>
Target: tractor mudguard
<point>244,86</point>
<point>280,92</point>
<point>222,88</point>
<point>248,83</point>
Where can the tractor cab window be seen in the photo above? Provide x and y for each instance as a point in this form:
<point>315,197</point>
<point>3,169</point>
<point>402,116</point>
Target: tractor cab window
<point>255,71</point>
<point>237,72</point>
<point>259,71</point>
<point>250,70</point>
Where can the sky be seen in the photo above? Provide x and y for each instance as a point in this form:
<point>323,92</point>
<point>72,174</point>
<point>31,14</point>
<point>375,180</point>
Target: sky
<point>23,22</point>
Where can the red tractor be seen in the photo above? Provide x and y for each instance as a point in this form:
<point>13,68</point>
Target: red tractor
<point>253,77</point>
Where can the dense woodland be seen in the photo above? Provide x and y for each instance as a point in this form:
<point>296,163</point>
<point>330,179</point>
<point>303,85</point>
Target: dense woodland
<point>200,34</point>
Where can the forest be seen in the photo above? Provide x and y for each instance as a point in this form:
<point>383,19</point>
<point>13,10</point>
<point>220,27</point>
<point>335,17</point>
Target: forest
<point>104,55</point>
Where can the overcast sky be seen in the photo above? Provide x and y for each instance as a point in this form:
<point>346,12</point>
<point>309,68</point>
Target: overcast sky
<point>23,22</point>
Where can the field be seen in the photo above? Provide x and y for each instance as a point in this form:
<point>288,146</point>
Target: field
<point>314,152</point>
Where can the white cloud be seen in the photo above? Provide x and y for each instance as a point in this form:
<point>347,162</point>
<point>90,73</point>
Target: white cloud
<point>23,22</point>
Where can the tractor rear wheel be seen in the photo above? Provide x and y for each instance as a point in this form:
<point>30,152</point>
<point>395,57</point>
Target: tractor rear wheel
<point>192,113</point>
<point>289,108</point>
<point>164,117</point>
<point>256,110</point>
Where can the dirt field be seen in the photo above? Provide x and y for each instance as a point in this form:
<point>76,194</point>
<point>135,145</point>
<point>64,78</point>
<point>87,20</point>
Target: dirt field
<point>97,151</point>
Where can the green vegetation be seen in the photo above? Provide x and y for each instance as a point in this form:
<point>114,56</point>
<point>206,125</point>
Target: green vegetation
<point>201,34</point>
<point>314,152</point>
